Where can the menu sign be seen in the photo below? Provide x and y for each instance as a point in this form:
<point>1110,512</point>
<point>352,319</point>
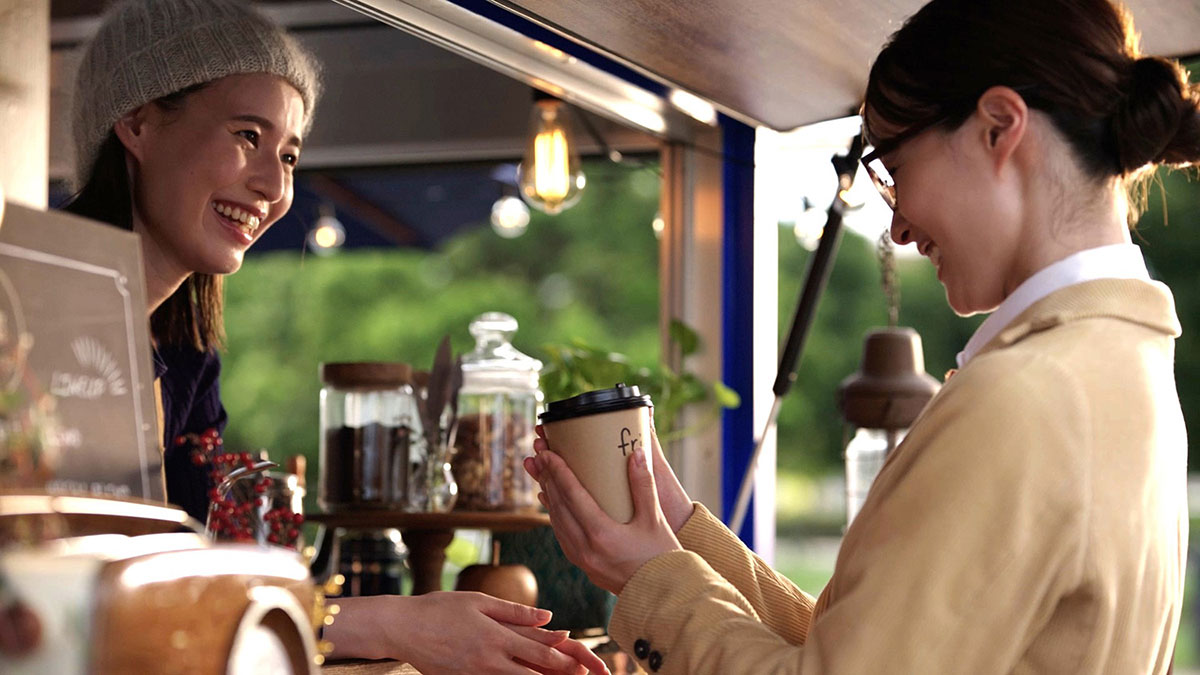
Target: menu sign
<point>77,410</point>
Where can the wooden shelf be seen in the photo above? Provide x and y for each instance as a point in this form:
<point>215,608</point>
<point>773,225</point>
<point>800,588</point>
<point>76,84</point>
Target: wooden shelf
<point>495,521</point>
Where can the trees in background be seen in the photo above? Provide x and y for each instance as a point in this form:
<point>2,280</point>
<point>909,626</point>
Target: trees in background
<point>591,273</point>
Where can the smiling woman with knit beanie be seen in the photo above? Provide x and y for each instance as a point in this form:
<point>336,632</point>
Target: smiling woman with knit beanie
<point>189,118</point>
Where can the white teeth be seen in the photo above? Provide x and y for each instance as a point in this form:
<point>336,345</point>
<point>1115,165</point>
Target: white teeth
<point>935,255</point>
<point>249,223</point>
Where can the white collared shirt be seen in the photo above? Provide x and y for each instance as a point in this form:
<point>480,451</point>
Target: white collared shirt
<point>1116,261</point>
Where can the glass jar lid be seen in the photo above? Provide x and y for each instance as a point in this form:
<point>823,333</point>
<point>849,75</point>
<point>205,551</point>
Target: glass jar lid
<point>495,363</point>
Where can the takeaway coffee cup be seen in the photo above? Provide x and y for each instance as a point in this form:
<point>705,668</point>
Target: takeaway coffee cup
<point>595,433</point>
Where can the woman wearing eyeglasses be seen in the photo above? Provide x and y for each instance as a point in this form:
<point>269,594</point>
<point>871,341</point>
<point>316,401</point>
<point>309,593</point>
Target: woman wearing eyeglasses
<point>1034,520</point>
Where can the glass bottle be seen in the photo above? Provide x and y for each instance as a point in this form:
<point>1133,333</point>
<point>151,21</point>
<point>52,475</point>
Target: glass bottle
<point>498,406</point>
<point>865,455</point>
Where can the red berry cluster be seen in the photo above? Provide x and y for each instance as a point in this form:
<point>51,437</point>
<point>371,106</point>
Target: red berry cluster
<point>242,513</point>
<point>283,526</point>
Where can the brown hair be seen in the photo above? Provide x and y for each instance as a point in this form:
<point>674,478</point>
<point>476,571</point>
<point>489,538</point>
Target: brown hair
<point>194,314</point>
<point>1076,60</point>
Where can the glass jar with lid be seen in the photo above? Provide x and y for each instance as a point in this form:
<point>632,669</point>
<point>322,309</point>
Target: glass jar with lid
<point>369,424</point>
<point>497,410</point>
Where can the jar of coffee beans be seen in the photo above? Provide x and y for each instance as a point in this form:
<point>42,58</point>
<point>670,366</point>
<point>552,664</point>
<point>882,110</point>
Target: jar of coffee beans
<point>369,423</point>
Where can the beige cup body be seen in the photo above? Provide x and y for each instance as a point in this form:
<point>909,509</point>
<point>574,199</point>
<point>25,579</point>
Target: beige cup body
<point>597,448</point>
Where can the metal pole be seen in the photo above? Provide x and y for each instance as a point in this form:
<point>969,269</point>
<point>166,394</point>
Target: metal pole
<point>815,280</point>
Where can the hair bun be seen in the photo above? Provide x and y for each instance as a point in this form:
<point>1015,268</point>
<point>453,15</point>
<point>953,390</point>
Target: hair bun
<point>1158,120</point>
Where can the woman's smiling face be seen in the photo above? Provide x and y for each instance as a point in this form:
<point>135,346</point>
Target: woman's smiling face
<point>952,206</point>
<point>210,177</point>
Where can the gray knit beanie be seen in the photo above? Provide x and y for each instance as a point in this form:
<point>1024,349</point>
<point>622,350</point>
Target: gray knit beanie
<point>147,49</point>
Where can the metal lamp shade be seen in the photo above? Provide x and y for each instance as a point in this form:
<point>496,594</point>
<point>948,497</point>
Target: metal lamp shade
<point>891,386</point>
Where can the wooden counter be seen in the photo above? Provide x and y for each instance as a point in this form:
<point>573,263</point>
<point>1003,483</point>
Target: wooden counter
<point>360,667</point>
<point>496,521</point>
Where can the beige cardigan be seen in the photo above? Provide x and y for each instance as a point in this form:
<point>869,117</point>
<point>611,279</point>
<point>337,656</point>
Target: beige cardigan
<point>1034,520</point>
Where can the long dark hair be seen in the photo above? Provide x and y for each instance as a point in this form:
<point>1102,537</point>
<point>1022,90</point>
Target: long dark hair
<point>1076,60</point>
<point>194,314</point>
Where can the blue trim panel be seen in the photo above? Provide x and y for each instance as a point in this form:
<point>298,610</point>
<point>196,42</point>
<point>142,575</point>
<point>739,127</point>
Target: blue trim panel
<point>737,312</point>
<point>529,29</point>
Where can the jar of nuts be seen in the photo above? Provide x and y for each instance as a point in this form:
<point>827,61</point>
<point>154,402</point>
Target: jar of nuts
<point>497,410</point>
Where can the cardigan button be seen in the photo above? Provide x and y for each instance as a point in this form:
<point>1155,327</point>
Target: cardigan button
<point>655,661</point>
<point>641,649</point>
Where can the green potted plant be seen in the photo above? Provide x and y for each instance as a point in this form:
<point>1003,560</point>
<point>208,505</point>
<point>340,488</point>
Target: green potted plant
<point>576,367</point>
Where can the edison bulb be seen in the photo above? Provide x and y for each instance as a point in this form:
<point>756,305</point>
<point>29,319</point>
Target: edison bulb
<point>550,176</point>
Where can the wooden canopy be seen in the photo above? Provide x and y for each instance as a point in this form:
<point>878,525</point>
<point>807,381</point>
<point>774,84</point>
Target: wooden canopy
<point>782,63</point>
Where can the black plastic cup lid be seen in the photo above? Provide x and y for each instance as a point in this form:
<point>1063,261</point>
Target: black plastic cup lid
<point>619,397</point>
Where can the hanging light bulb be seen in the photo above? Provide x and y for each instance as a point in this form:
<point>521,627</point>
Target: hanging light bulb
<point>327,234</point>
<point>510,217</point>
<point>658,225</point>
<point>809,225</point>
<point>550,177</point>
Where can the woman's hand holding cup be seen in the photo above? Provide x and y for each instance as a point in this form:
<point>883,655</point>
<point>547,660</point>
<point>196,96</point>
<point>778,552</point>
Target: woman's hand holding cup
<point>609,552</point>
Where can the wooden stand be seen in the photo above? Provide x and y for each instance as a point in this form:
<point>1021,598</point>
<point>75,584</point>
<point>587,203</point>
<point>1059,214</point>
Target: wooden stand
<point>428,534</point>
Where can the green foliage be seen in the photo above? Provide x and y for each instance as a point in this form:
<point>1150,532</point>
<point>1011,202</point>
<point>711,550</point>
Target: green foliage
<point>589,273</point>
<point>810,431</point>
<point>577,367</point>
<point>585,283</point>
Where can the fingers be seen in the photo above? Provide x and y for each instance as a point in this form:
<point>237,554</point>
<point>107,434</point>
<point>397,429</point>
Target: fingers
<point>586,657</point>
<point>574,514</point>
<point>535,654</point>
<point>582,661</point>
<point>575,670</point>
<point>641,485</point>
<point>549,638</point>
<point>567,528</point>
<point>511,612</point>
<point>512,667</point>
<point>539,446</point>
<point>571,492</point>
<point>672,498</point>
<point>530,465</point>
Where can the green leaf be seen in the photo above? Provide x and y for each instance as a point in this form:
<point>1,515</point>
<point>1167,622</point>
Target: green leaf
<point>684,336</point>
<point>726,397</point>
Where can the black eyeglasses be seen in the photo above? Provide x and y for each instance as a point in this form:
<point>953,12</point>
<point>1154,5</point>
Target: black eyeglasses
<point>873,161</point>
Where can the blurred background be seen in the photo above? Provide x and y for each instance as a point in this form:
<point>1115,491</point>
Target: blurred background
<point>406,226</point>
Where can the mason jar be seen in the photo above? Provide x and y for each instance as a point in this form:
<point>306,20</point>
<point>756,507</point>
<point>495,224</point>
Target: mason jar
<point>368,423</point>
<point>498,406</point>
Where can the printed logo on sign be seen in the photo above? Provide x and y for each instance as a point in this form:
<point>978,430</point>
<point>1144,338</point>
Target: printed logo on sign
<point>102,373</point>
<point>628,442</point>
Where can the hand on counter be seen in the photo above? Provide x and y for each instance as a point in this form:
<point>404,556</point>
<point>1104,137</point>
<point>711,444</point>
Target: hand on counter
<point>457,633</point>
<point>608,551</point>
